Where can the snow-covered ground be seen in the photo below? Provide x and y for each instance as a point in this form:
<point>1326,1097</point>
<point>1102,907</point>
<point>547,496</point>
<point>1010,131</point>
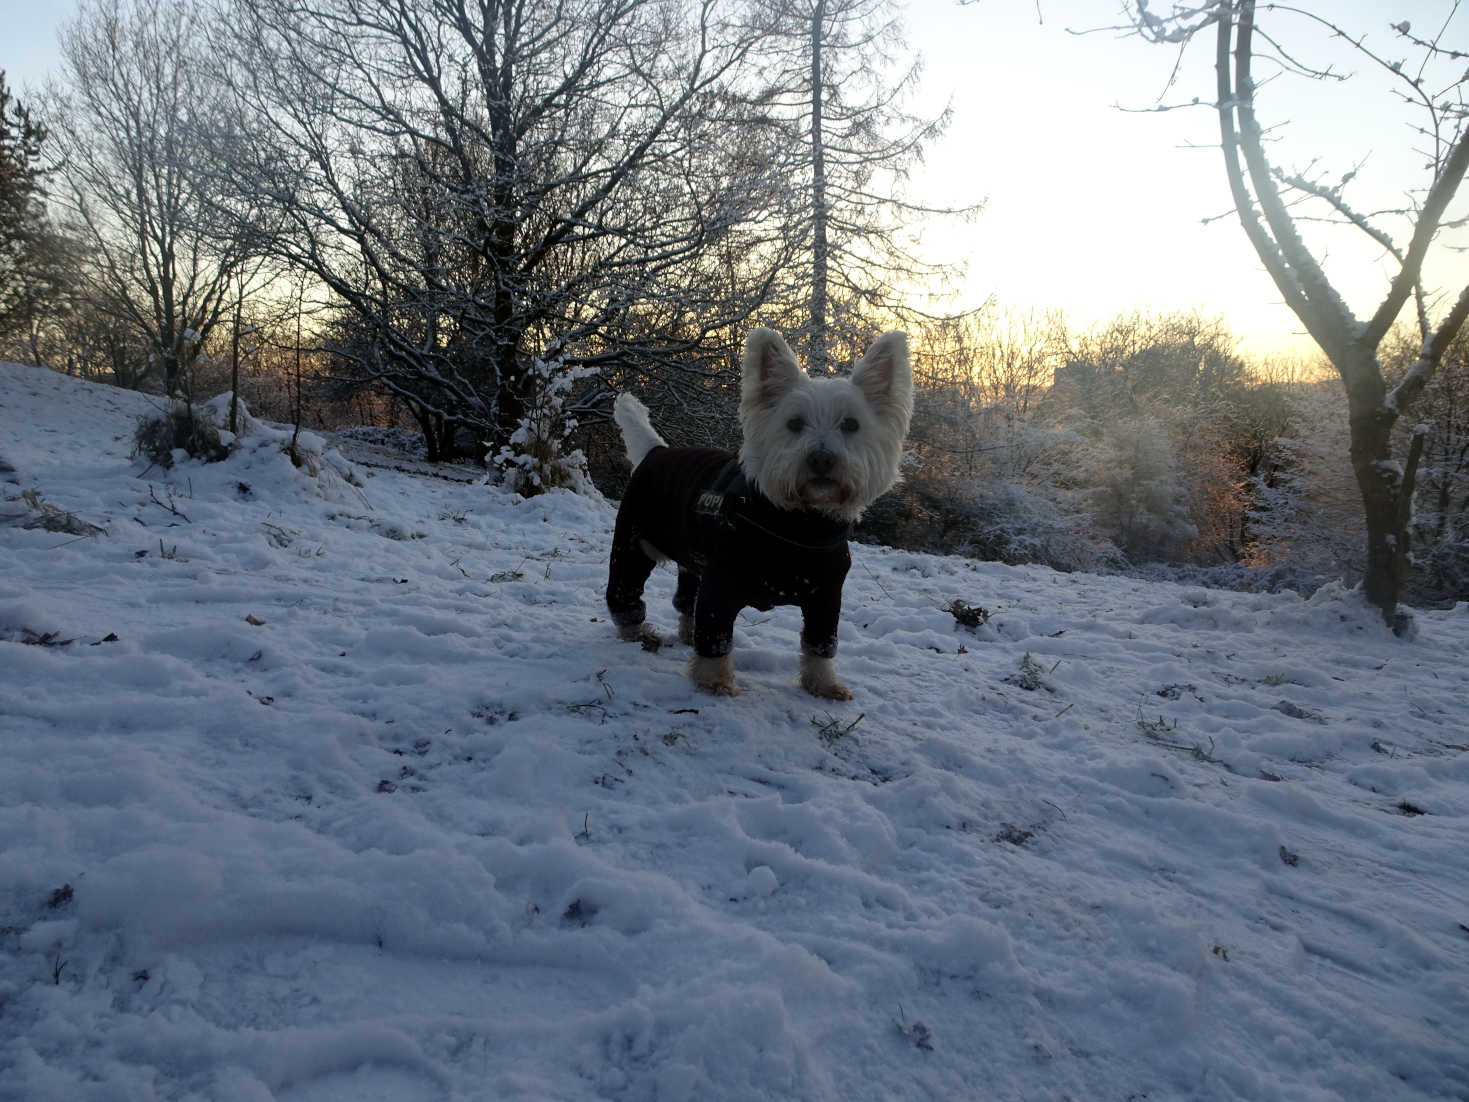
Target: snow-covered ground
<point>318,791</point>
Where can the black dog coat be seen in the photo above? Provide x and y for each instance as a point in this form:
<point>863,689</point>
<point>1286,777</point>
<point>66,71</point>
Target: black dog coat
<point>734,549</point>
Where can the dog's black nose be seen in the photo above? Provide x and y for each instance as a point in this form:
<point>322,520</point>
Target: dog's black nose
<point>821,462</point>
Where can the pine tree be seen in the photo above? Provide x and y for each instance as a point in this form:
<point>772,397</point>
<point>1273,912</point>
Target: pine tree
<point>31,263</point>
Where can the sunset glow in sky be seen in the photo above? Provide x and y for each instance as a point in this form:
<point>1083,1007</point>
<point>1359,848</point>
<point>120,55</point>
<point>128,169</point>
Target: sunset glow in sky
<point>1090,207</point>
<point>1100,210</point>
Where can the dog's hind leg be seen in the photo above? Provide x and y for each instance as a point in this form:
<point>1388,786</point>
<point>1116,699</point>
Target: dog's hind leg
<point>684,597</point>
<point>627,573</point>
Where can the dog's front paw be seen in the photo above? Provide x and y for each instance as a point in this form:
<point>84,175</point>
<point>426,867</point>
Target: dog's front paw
<point>713,675</point>
<point>819,678</point>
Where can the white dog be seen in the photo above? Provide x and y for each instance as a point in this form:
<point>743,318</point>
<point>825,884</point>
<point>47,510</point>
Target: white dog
<point>769,526</point>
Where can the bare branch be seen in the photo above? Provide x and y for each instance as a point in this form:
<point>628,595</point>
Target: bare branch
<point>1402,397</point>
<point>1317,303</point>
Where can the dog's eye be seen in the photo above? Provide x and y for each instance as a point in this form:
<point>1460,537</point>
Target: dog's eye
<point>796,424</point>
<point>849,425</point>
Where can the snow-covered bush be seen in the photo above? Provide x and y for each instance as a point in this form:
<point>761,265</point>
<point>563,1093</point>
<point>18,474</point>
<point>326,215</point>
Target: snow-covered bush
<point>536,459</point>
<point>993,520</point>
<point>1440,525</point>
<point>1136,493</point>
<point>1441,559</point>
<point>1309,512</point>
<point>178,428</point>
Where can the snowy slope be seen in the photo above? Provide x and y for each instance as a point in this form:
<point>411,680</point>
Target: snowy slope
<point>321,791</point>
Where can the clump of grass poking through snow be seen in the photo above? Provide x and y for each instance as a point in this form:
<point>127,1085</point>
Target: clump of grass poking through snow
<point>1031,675</point>
<point>40,513</point>
<point>833,729</point>
<point>157,438</point>
<point>1165,733</point>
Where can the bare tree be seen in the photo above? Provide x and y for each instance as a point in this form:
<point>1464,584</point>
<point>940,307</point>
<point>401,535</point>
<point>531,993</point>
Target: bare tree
<point>980,375</point>
<point>1272,205</point>
<point>831,90</point>
<point>139,122</point>
<point>479,186</point>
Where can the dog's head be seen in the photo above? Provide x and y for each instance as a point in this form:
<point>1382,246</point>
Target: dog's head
<point>832,445</point>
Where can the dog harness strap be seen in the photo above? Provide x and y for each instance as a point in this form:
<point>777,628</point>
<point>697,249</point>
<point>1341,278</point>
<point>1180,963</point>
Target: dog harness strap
<point>716,505</point>
<point>837,538</point>
<point>729,501</point>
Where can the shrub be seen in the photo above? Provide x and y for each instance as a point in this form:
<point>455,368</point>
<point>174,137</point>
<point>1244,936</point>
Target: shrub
<point>536,460</point>
<point>178,428</point>
<point>995,521</point>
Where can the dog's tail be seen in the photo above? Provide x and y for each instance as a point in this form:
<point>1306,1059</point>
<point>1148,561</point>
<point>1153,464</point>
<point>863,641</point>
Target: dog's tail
<point>638,434</point>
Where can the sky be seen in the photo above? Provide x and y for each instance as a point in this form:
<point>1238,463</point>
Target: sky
<point>1093,203</point>
<point>1096,204</point>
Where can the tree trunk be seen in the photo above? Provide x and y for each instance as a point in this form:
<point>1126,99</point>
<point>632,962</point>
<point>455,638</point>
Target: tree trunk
<point>170,372</point>
<point>1382,576</point>
<point>428,424</point>
<point>500,253</point>
<point>1386,487</point>
<point>510,404</point>
<point>816,356</point>
<point>235,365</point>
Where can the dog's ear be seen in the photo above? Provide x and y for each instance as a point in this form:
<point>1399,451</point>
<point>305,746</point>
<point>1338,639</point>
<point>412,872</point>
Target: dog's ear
<point>769,369</point>
<point>885,375</point>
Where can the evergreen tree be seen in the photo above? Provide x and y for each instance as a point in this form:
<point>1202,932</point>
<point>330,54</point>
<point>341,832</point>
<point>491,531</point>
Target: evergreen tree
<point>32,257</point>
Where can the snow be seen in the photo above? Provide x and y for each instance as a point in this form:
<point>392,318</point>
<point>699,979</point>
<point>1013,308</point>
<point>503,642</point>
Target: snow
<point>332,782</point>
